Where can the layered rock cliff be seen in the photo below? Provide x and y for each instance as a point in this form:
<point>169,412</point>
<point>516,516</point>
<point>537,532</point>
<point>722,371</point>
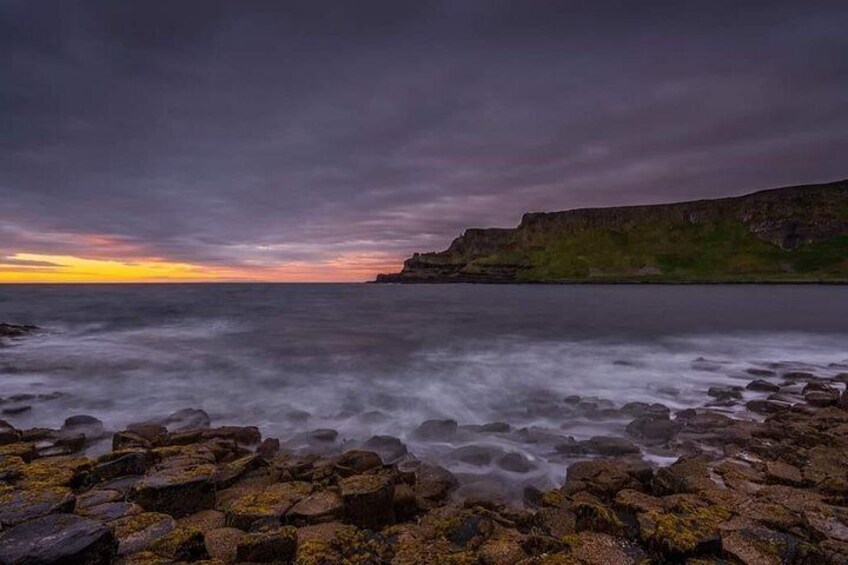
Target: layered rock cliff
<point>797,233</point>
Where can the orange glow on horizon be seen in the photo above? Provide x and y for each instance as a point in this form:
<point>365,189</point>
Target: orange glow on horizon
<point>41,268</point>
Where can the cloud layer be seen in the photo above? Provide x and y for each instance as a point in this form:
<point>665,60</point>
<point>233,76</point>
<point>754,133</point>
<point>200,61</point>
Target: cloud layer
<point>327,140</point>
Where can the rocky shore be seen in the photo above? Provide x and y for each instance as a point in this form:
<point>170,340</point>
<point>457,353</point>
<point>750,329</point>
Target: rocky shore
<point>773,490</point>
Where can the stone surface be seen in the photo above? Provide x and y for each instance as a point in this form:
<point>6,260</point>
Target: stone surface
<point>271,546</point>
<point>323,506</point>
<point>177,491</point>
<point>368,501</point>
<point>58,538</point>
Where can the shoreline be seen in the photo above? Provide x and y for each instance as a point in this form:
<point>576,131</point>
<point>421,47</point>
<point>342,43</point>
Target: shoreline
<point>179,489</point>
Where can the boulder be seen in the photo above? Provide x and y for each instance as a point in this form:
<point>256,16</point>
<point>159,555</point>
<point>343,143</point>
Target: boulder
<point>137,532</point>
<point>653,428</point>
<point>269,505</point>
<point>271,546</point>
<point>516,463</point>
<point>767,406</point>
<point>605,477</point>
<point>389,448</point>
<point>181,544</point>
<point>368,501</point>
<point>762,385</point>
<point>432,484</point>
<point>58,538</point>
<point>436,430</point>
<point>323,506</point>
<point>110,511</point>
<point>177,491</point>
<point>187,419</point>
<point>18,506</point>
<point>725,392</point>
<point>357,461</point>
<point>122,463</point>
<point>8,433</point>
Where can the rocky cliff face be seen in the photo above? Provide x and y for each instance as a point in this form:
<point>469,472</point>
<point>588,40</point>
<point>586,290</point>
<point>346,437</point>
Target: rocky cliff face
<point>785,234</point>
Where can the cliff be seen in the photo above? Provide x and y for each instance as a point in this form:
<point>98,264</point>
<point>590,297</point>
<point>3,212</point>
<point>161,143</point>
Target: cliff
<point>797,233</point>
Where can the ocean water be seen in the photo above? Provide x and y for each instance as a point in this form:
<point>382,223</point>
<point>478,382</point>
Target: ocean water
<point>369,360</point>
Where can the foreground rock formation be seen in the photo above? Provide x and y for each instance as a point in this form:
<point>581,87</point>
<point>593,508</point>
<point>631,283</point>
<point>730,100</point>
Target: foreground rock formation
<point>742,491</point>
<point>787,234</point>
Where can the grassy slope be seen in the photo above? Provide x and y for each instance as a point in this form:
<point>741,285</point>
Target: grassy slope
<point>723,251</point>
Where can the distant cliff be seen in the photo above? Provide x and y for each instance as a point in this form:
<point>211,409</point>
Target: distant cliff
<point>797,233</point>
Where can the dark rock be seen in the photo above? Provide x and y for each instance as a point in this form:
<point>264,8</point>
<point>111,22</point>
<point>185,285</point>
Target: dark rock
<point>110,511</point>
<point>243,435</point>
<point>798,376</point>
<point>820,398</point>
<point>368,501</point>
<point>89,426</point>
<point>228,473</point>
<point>494,428</point>
<point>573,399</point>
<point>177,491</point>
<point>653,428</point>
<point>436,430</point>
<point>763,386</point>
<point>515,463</point>
<point>389,448</point>
<point>268,505</point>
<point>8,433</point>
<point>767,406</point>
<point>605,445</point>
<point>725,392</point>
<point>18,506</point>
<point>477,455</point>
<point>139,531</point>
<point>606,477</point>
<point>271,546</point>
<point>119,464</point>
<point>432,484</point>
<point>268,448</point>
<point>754,372</point>
<point>636,409</point>
<point>20,409</point>
<point>182,544</point>
<point>327,435</point>
<point>357,461</point>
<point>187,419</point>
<point>58,538</point>
<point>319,507</point>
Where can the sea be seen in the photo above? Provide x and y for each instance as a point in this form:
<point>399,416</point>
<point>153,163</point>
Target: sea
<point>326,367</point>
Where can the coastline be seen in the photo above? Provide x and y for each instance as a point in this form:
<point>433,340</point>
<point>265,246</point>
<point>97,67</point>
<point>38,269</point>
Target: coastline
<point>767,485</point>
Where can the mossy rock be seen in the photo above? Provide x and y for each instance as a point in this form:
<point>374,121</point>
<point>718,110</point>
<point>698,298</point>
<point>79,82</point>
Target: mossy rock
<point>680,534</point>
<point>182,544</point>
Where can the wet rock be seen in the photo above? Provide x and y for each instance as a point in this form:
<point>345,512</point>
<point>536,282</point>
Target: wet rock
<point>610,446</point>
<point>97,497</point>
<point>368,501</point>
<point>16,330</point>
<point>605,477</point>
<point>436,430</point>
<point>783,473</point>
<point>89,426</point>
<point>187,419</point>
<point>477,455</point>
<point>492,428</point>
<point>725,392</point>
<point>110,511</point>
<point>653,428</point>
<point>432,484</point>
<point>14,410</point>
<point>323,506</point>
<point>18,506</point>
<point>177,491</point>
<point>181,544</point>
<point>754,372</point>
<point>767,406</point>
<point>269,505</point>
<point>389,448</point>
<point>516,463</point>
<point>242,435</point>
<point>325,435</point>
<point>761,385</point>
<point>357,461</point>
<point>122,463</point>
<point>136,533</point>
<point>8,433</point>
<point>228,473</point>
<point>821,399</point>
<point>121,484</point>
<point>799,376</point>
<point>145,436</point>
<point>594,548</point>
<point>272,546</point>
<point>268,448</point>
<point>58,538</point>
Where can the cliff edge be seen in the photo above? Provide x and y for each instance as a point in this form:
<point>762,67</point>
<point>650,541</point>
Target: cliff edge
<point>791,234</point>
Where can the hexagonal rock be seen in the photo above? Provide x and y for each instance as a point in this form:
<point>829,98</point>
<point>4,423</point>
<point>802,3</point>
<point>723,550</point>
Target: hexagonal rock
<point>182,544</point>
<point>137,533</point>
<point>110,511</point>
<point>271,503</point>
<point>270,546</point>
<point>58,538</point>
<point>177,491</point>
<point>20,505</point>
<point>357,461</point>
<point>119,464</point>
<point>324,506</point>
<point>368,501</point>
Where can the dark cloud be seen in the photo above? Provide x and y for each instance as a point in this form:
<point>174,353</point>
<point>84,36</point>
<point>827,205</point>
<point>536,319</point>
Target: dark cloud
<point>252,133</point>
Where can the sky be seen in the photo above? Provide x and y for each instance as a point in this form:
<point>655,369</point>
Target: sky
<point>205,140</point>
